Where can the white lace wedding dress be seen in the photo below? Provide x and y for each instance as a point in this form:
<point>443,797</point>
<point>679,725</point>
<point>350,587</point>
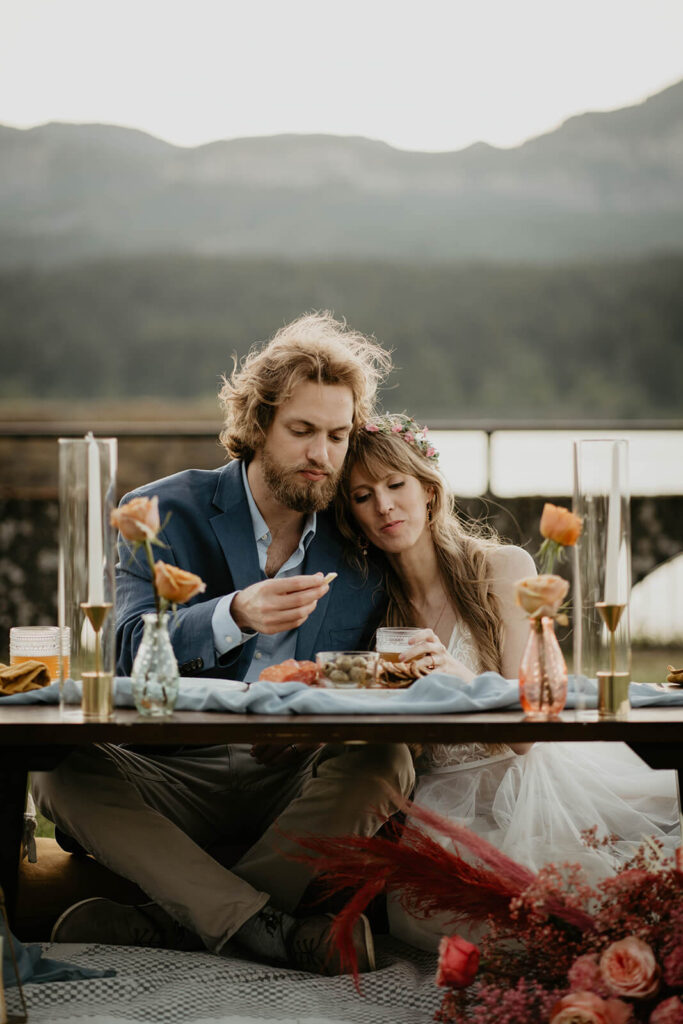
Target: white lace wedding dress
<point>534,806</point>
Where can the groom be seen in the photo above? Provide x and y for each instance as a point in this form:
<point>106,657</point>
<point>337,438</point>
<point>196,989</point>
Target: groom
<point>257,533</point>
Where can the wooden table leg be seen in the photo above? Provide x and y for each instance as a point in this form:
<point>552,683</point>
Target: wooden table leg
<point>14,768</point>
<point>13,779</point>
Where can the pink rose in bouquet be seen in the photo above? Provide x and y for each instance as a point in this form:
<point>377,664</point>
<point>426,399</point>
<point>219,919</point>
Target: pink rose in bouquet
<point>668,1012</point>
<point>585,974</point>
<point>587,1008</point>
<point>629,968</point>
<point>458,962</point>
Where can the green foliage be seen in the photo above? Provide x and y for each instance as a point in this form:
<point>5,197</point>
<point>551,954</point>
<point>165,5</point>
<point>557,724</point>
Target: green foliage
<point>469,340</point>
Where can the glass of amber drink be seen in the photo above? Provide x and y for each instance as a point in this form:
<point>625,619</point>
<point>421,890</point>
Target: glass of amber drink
<point>40,643</point>
<point>393,641</point>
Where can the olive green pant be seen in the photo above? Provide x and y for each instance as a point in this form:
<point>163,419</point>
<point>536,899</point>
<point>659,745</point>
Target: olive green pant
<point>152,818</point>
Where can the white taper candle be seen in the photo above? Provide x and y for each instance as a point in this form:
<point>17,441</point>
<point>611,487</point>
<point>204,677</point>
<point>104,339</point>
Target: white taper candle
<point>613,533</point>
<point>95,554</point>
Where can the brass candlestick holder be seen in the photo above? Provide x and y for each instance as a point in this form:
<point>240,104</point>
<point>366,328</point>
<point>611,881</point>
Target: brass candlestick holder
<point>98,686</point>
<point>613,686</point>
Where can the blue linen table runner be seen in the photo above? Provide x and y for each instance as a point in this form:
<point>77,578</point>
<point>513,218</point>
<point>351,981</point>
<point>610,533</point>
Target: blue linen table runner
<point>436,694</point>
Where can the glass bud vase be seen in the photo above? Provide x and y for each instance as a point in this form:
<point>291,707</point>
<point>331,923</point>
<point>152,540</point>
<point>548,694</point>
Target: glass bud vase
<point>154,679</point>
<point>542,671</point>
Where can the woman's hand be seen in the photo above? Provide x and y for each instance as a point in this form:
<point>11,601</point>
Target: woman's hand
<point>434,655</point>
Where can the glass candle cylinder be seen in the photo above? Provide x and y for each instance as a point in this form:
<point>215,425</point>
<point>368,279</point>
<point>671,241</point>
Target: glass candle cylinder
<point>86,588</point>
<point>602,572</point>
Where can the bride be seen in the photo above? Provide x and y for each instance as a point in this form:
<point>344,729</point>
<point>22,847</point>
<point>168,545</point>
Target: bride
<point>457,584</point>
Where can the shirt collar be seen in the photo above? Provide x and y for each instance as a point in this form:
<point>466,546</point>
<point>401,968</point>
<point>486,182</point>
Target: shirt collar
<point>261,531</point>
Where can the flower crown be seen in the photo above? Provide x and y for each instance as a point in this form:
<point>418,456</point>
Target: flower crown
<point>407,429</point>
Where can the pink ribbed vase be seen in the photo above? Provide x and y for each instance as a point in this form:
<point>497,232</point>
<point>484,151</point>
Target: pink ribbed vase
<point>542,671</point>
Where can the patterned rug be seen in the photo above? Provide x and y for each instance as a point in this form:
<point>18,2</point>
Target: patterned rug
<point>156,986</point>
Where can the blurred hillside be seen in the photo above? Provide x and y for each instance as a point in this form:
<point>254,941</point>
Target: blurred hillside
<point>596,340</point>
<point>601,185</point>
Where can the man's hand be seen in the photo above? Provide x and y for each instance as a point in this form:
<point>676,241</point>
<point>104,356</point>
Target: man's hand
<point>273,606</point>
<point>275,754</point>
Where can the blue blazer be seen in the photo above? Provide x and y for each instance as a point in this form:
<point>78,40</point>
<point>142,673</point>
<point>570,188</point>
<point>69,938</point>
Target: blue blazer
<point>209,532</point>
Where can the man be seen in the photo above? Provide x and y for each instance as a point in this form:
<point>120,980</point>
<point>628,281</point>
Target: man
<point>257,533</point>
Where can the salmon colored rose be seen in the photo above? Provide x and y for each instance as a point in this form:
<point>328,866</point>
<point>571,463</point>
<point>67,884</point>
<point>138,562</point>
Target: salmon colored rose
<point>176,585</point>
<point>629,968</point>
<point>541,595</point>
<point>587,1008</point>
<point>458,962</point>
<point>560,525</point>
<point>137,520</point>
<point>560,529</point>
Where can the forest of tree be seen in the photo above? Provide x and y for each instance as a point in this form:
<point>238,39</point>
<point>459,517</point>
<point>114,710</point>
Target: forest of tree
<point>470,340</point>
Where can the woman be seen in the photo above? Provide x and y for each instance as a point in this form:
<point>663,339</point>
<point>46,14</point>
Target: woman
<point>458,585</point>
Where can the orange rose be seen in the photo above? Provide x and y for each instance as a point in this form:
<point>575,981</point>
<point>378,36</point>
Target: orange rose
<point>629,968</point>
<point>541,595</point>
<point>560,525</point>
<point>587,1008</point>
<point>458,962</point>
<point>138,519</point>
<point>176,585</point>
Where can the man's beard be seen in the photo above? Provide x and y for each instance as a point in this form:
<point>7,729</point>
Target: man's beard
<point>299,495</point>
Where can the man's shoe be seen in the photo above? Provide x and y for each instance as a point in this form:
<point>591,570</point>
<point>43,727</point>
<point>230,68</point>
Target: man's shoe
<point>115,924</point>
<point>310,948</point>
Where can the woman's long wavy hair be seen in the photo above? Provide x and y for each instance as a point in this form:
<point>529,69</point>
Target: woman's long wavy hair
<point>461,551</point>
<point>315,347</point>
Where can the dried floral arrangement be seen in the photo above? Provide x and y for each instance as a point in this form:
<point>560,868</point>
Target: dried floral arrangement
<point>556,949</point>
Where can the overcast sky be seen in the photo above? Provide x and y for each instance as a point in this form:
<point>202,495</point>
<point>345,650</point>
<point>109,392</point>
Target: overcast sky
<point>426,74</point>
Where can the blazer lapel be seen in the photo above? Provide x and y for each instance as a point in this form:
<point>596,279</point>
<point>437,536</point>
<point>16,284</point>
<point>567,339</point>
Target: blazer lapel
<point>233,528</point>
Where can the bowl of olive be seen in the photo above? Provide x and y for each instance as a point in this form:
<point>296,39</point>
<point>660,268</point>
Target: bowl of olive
<point>348,670</point>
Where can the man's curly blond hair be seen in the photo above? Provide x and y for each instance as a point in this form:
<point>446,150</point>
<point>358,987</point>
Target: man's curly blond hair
<point>314,347</point>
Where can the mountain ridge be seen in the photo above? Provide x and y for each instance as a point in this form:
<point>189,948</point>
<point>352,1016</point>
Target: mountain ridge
<point>604,183</point>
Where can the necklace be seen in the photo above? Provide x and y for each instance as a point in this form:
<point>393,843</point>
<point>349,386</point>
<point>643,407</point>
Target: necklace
<point>443,609</point>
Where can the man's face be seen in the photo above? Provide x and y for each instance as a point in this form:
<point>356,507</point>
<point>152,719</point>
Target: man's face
<point>306,445</point>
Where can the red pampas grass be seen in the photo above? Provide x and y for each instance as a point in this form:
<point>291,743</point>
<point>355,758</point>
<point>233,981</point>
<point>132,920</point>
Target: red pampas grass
<point>428,878</point>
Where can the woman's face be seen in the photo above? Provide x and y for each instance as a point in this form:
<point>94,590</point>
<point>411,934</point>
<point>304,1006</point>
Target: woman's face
<point>390,511</point>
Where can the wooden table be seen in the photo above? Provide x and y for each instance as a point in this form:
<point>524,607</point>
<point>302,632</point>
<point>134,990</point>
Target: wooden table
<point>36,737</point>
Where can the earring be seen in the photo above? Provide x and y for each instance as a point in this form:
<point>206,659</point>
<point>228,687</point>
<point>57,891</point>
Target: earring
<point>429,512</point>
<point>363,545</point>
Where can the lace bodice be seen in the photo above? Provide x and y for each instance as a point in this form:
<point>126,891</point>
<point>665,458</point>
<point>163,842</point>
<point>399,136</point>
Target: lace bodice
<point>436,756</point>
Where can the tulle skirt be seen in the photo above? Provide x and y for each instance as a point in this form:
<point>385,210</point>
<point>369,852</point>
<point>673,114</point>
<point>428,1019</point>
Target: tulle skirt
<point>534,807</point>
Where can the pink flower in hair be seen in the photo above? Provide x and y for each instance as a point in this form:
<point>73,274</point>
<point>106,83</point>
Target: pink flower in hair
<point>371,428</point>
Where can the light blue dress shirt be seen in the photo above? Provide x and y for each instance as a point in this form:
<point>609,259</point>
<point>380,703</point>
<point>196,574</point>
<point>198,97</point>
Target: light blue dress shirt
<point>277,647</point>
